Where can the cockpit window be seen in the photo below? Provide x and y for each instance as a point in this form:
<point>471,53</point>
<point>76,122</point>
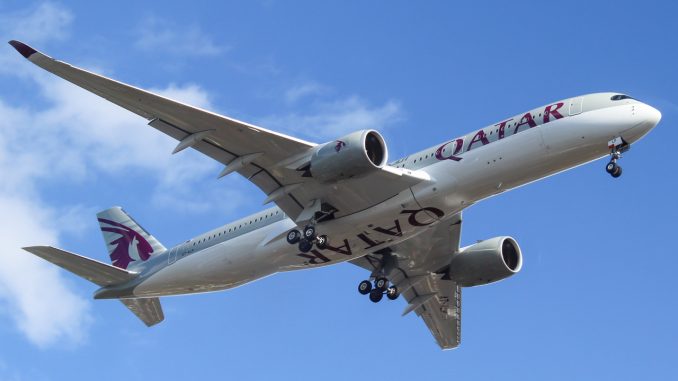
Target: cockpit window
<point>619,97</point>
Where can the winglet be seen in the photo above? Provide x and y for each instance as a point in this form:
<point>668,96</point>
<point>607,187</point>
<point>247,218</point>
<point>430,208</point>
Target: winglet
<point>22,48</point>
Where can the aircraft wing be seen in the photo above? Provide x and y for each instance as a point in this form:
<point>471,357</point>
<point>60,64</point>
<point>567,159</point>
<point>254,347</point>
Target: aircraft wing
<point>262,156</point>
<point>419,275</point>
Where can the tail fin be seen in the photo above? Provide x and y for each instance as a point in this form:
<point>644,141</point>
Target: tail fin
<point>129,245</point>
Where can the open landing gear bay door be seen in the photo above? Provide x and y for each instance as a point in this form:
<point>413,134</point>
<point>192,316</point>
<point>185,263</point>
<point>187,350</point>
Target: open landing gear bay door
<point>418,272</point>
<point>264,157</point>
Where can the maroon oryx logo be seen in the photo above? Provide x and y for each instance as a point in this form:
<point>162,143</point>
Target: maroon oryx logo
<point>129,240</point>
<point>339,146</point>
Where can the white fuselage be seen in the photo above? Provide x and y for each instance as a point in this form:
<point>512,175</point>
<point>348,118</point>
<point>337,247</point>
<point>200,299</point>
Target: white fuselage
<point>463,171</point>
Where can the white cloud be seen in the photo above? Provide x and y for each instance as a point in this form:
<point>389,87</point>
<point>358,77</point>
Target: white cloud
<point>72,135</point>
<point>330,120</point>
<point>46,21</point>
<point>76,135</point>
<point>37,297</point>
<point>296,93</point>
<point>35,26</point>
<point>160,35</point>
<point>104,138</point>
<point>33,293</point>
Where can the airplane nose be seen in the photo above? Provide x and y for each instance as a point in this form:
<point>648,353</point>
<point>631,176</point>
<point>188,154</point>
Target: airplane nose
<point>645,118</point>
<point>652,115</point>
<point>649,117</point>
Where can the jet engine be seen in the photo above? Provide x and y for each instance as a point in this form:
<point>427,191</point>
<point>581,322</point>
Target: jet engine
<point>487,261</point>
<point>353,155</point>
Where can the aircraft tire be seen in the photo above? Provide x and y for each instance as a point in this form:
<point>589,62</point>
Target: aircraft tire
<point>309,232</point>
<point>365,287</point>
<point>611,167</point>
<point>617,172</point>
<point>293,236</point>
<point>381,284</point>
<point>376,295</point>
<point>321,242</point>
<point>392,293</point>
<point>305,246</point>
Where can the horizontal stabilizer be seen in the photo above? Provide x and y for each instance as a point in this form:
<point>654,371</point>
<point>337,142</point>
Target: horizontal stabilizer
<point>94,271</point>
<point>146,309</point>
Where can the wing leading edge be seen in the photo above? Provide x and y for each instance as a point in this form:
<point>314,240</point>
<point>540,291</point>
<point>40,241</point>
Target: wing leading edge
<point>262,156</point>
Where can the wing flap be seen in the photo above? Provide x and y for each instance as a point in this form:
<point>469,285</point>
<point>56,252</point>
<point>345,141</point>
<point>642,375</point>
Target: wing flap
<point>421,282</point>
<point>438,303</point>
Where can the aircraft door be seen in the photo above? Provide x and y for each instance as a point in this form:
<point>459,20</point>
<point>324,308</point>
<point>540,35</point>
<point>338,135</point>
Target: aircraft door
<point>172,257</point>
<point>576,105</point>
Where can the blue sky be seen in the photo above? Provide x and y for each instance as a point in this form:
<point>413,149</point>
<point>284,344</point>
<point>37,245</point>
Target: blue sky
<point>595,298</point>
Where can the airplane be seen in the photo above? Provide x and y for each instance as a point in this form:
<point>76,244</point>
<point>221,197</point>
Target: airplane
<point>343,201</point>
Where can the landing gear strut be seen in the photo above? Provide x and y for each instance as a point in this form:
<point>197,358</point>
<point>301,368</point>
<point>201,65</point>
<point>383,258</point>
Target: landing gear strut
<point>381,287</point>
<point>316,212</point>
<point>306,238</point>
<point>617,147</point>
<point>378,285</point>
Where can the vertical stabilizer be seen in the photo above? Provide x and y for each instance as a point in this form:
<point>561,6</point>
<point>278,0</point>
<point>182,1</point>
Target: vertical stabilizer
<point>129,245</point>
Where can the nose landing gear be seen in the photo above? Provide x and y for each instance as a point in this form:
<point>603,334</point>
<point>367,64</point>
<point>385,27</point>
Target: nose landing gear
<point>613,168</point>
<point>617,147</point>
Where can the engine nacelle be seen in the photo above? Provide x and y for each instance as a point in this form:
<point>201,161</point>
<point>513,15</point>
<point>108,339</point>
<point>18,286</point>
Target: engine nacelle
<point>486,262</point>
<point>356,154</point>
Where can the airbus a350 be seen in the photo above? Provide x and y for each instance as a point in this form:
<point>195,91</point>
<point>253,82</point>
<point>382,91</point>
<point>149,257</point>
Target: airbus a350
<point>344,201</point>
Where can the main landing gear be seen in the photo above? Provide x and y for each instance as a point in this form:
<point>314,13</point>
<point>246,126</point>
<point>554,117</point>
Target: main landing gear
<point>306,238</point>
<point>381,287</point>
<point>617,147</point>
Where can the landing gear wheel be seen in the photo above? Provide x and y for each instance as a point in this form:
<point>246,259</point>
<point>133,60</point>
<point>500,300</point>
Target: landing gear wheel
<point>611,167</point>
<point>321,242</point>
<point>392,293</point>
<point>617,172</point>
<point>293,236</point>
<point>309,232</point>
<point>305,246</point>
<point>365,287</point>
<point>376,295</point>
<point>381,284</point>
